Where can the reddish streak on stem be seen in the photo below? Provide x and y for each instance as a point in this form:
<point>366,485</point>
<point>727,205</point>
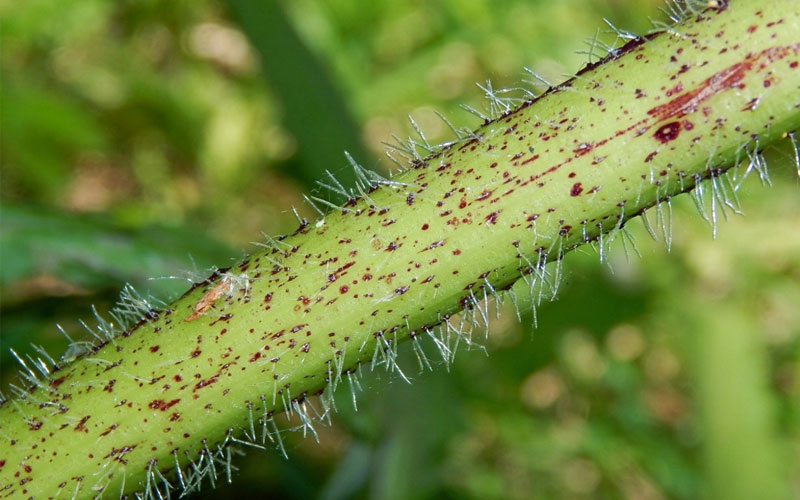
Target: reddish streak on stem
<point>689,101</point>
<point>727,78</point>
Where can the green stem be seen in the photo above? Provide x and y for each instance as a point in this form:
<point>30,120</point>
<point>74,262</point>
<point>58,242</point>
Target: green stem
<point>570,167</point>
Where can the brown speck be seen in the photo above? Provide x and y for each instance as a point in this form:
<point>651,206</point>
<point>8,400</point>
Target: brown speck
<point>435,244</point>
<point>751,104</point>
<point>108,431</point>
<point>576,189</point>
<point>583,148</point>
<point>343,289</point>
<point>205,383</point>
<point>160,404</point>
<point>81,426</point>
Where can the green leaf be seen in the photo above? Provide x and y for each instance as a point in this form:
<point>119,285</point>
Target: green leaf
<point>314,111</point>
<point>93,252</point>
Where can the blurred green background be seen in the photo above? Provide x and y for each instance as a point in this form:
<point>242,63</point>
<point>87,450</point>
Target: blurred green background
<point>155,138</point>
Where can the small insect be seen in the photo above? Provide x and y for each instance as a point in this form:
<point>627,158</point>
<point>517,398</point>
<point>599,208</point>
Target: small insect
<point>205,303</point>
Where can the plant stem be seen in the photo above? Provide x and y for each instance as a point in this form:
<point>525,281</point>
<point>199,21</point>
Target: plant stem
<point>652,120</point>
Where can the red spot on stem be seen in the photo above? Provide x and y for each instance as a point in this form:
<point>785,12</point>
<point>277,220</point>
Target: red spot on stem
<point>668,132</point>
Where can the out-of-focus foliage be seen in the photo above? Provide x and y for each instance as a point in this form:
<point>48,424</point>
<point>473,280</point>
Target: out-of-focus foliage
<point>147,139</point>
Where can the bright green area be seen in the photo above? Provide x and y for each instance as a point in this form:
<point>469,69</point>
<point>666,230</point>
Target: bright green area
<point>674,376</point>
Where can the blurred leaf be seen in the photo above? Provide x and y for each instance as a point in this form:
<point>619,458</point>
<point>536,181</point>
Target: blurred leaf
<point>350,474</point>
<point>314,112</point>
<point>737,416</point>
<point>92,252</point>
<point>43,134</point>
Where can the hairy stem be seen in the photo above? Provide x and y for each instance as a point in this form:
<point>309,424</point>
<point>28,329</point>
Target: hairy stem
<point>165,400</point>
